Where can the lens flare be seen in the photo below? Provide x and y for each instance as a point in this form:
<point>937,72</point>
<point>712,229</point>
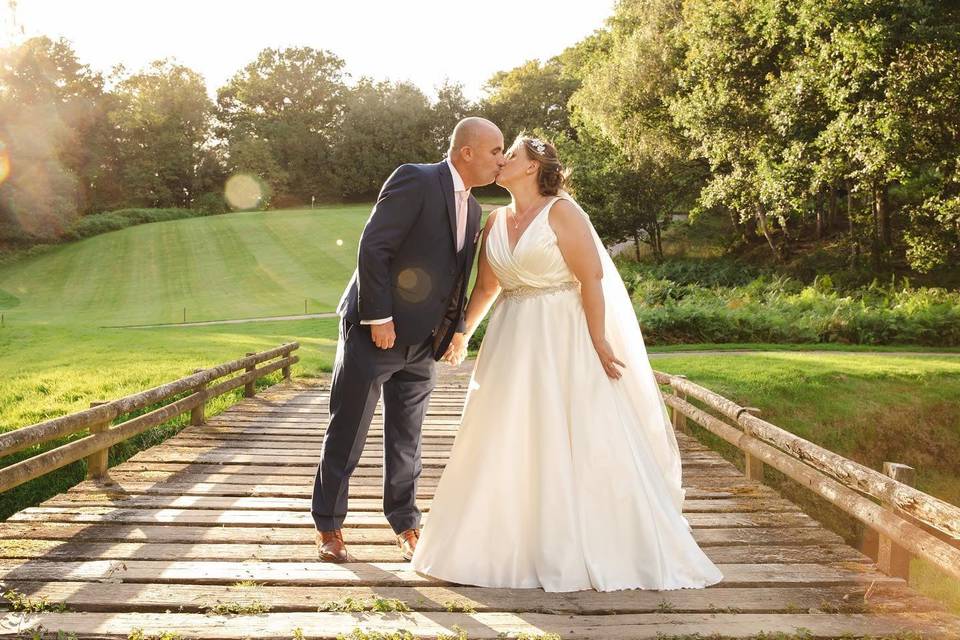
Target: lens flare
<point>4,162</point>
<point>414,284</point>
<point>243,192</point>
<point>339,242</point>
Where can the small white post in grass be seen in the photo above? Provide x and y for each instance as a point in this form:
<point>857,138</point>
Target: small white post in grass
<point>893,559</point>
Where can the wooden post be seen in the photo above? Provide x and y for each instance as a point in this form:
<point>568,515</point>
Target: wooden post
<point>893,559</point>
<point>196,414</point>
<point>679,420</point>
<point>286,369</point>
<point>98,461</point>
<point>753,466</point>
<point>248,389</point>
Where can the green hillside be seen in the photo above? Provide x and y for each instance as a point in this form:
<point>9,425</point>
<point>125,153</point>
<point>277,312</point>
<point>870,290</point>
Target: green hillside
<point>230,266</point>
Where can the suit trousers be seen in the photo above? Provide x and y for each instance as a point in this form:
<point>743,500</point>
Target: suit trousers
<point>406,375</point>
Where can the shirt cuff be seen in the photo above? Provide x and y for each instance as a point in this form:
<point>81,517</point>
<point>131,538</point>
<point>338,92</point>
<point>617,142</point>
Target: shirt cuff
<point>381,321</point>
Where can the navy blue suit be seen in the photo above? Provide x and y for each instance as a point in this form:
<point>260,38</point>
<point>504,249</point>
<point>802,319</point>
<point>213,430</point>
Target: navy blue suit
<point>408,268</point>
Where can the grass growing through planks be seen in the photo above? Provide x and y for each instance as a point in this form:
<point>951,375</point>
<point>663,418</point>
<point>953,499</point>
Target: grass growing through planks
<point>355,605</point>
<point>137,634</point>
<point>456,606</point>
<point>20,602</point>
<point>238,608</point>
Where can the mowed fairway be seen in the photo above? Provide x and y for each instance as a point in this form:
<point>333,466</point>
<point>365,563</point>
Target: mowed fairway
<point>230,266</point>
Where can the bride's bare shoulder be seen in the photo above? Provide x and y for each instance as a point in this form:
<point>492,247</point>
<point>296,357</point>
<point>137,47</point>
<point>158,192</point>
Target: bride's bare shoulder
<point>564,216</point>
<point>492,216</point>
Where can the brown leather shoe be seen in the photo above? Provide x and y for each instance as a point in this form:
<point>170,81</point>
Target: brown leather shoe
<point>408,542</point>
<point>330,546</point>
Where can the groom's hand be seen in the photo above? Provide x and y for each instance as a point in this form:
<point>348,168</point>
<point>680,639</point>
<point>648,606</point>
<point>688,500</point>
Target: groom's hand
<point>383,335</point>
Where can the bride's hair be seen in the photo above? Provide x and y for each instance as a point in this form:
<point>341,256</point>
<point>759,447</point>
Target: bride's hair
<point>551,177</point>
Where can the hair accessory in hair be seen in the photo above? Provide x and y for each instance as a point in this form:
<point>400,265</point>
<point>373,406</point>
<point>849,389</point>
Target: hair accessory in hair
<point>538,145</point>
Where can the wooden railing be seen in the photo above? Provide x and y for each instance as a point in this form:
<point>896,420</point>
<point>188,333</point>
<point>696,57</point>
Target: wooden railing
<point>906,520</point>
<point>98,418</point>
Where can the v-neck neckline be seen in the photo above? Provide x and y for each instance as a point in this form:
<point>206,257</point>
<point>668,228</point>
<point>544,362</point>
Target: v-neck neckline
<point>506,232</point>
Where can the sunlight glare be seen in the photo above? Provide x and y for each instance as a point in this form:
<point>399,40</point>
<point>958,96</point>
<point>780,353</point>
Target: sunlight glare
<point>243,191</point>
<point>4,162</point>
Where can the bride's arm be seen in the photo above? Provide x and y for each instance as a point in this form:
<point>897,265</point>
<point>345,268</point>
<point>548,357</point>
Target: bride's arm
<point>579,251</point>
<point>485,291</point>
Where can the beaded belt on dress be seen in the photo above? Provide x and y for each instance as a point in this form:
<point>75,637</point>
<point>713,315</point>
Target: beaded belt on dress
<point>529,292</point>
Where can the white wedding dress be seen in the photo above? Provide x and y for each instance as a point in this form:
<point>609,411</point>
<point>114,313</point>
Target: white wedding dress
<point>559,476</point>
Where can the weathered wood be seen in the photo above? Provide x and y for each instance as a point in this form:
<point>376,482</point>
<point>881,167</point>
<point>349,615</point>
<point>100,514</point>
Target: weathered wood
<point>929,510</point>
<point>266,503</point>
<point>484,625</point>
<point>240,517</point>
<point>753,466</point>
<point>892,558</point>
<point>80,596</point>
<point>131,485</point>
<point>679,420</point>
<point>40,464</point>
<point>306,552</point>
<point>912,537</point>
<point>378,573</point>
<point>249,389</point>
<point>19,439</point>
<point>197,413</point>
<point>219,514</point>
<point>734,536</point>
<point>98,461</point>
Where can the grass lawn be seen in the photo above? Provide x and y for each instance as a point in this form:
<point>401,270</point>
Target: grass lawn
<point>239,265</point>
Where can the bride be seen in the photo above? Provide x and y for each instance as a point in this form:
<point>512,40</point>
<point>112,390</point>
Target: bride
<point>565,471</point>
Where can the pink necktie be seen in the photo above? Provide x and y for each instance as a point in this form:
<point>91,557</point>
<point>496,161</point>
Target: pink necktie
<point>461,217</point>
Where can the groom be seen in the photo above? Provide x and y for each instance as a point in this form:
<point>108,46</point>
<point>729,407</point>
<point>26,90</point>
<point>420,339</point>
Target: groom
<point>398,315</point>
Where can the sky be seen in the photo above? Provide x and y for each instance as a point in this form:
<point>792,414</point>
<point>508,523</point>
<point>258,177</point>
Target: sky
<point>424,41</point>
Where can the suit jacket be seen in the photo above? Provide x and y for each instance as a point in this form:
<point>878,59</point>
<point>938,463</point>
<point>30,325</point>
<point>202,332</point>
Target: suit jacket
<point>407,264</point>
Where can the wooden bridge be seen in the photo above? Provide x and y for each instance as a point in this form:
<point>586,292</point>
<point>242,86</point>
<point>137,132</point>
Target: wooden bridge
<point>209,535</point>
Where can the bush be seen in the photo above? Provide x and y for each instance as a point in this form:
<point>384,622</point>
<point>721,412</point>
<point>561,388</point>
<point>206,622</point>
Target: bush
<point>780,309</point>
<point>98,223</point>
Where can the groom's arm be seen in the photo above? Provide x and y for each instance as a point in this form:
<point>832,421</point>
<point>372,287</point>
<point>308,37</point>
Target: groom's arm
<point>397,209</point>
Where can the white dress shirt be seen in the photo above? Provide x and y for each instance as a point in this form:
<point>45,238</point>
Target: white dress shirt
<point>460,196</point>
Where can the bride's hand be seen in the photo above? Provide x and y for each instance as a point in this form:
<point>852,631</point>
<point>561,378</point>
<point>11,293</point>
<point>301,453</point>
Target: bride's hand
<point>608,359</point>
<point>457,351</point>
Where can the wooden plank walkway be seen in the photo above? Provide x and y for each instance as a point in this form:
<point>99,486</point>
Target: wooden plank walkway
<point>209,535</point>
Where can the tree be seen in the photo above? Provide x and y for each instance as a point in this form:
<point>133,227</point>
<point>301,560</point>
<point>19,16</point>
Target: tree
<point>530,96</point>
<point>51,109</point>
<point>626,135</point>
<point>450,107</point>
<point>384,125</point>
<point>163,121</point>
<point>279,117</point>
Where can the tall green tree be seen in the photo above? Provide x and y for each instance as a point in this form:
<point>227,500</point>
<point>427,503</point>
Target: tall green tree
<point>531,96</point>
<point>163,119</point>
<point>384,125</point>
<point>51,123</point>
<point>279,117</point>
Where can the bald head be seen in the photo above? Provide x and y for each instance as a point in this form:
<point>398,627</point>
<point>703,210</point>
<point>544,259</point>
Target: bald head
<point>476,151</point>
<point>469,132</point>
